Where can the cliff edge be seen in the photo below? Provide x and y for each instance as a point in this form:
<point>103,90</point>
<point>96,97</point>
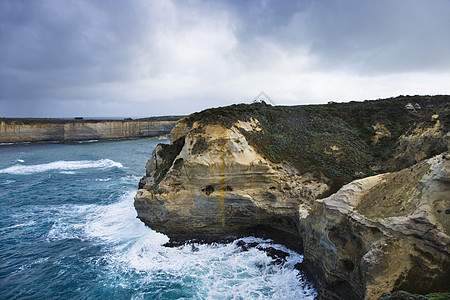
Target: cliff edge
<point>361,188</point>
<point>20,130</point>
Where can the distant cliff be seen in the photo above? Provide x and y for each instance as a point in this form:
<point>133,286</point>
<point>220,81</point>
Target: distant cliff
<point>361,188</point>
<point>41,130</point>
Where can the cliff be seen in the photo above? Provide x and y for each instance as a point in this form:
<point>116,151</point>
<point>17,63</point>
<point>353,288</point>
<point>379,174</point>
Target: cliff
<point>360,188</point>
<point>383,233</point>
<point>39,130</point>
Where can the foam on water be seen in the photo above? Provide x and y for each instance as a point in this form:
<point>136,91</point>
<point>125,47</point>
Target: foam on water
<point>103,179</point>
<point>117,223</point>
<point>201,271</point>
<point>6,182</point>
<point>88,141</point>
<point>68,221</point>
<point>67,172</point>
<point>60,165</point>
<point>69,236</point>
<point>30,223</point>
<point>217,271</point>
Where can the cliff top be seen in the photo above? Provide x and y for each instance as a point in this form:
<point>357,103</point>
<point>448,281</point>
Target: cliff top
<point>342,141</point>
<point>31,121</point>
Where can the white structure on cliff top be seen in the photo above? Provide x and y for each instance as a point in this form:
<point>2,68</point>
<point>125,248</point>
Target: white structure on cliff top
<point>261,96</point>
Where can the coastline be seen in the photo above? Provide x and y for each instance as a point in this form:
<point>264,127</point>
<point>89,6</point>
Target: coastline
<point>26,130</point>
<point>357,188</point>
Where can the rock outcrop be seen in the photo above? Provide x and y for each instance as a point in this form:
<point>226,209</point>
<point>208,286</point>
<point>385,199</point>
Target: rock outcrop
<point>218,184</point>
<point>225,173</point>
<point>383,233</point>
<point>65,130</point>
<point>424,140</point>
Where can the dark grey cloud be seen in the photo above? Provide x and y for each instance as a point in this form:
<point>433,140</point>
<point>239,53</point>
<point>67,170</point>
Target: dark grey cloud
<point>382,36</point>
<point>369,36</point>
<point>139,57</point>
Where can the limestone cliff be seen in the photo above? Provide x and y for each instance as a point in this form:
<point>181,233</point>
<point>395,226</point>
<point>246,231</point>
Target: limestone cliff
<point>232,170</point>
<point>383,233</point>
<point>423,140</point>
<point>219,184</point>
<point>17,131</point>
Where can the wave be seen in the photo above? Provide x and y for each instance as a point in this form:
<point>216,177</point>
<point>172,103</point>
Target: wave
<point>103,179</point>
<point>136,258</point>
<point>215,271</point>
<point>87,141</point>
<point>117,223</point>
<point>60,165</point>
<point>30,223</point>
<point>6,182</point>
<point>68,221</point>
<point>67,172</point>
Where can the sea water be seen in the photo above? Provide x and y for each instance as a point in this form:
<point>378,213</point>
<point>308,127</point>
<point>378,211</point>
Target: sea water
<point>68,230</point>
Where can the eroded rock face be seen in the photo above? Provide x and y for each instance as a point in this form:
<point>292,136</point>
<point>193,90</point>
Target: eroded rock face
<point>218,184</point>
<point>383,233</point>
<point>83,130</point>
<point>422,142</point>
<point>375,235</point>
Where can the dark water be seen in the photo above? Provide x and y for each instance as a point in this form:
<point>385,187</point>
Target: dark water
<point>68,230</point>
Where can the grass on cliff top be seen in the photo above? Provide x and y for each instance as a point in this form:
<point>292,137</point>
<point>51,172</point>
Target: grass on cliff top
<point>402,295</point>
<point>334,139</point>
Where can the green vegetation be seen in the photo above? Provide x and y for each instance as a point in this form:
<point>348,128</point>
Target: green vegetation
<point>402,295</point>
<point>438,296</point>
<point>336,139</point>
<point>200,146</point>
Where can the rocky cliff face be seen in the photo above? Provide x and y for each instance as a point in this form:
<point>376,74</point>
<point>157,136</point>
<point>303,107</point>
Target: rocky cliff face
<point>81,130</point>
<point>226,173</point>
<point>383,233</point>
<point>218,184</point>
<point>423,140</point>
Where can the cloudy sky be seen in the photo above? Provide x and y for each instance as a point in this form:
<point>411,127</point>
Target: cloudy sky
<point>64,58</point>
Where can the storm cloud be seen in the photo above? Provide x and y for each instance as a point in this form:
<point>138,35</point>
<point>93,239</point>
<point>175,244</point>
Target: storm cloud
<point>142,58</point>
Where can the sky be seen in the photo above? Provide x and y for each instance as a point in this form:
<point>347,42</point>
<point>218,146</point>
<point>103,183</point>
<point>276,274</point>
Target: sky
<point>107,58</point>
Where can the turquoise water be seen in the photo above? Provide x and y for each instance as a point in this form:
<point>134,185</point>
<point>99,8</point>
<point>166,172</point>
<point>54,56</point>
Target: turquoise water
<point>68,230</point>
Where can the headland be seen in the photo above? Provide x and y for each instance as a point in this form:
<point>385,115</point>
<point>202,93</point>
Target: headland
<point>361,188</point>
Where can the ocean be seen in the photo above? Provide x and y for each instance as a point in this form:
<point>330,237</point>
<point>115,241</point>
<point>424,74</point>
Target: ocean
<point>68,230</point>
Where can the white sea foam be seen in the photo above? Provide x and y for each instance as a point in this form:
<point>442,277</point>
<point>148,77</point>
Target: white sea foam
<point>216,271</point>
<point>117,223</point>
<point>61,230</point>
<point>103,179</point>
<point>87,141</point>
<point>30,223</point>
<point>68,222</point>
<point>60,165</point>
<point>67,172</point>
<point>6,182</point>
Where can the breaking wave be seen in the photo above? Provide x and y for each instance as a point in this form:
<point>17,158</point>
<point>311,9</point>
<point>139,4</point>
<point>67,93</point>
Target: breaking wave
<point>61,166</point>
<point>202,271</point>
<point>76,236</point>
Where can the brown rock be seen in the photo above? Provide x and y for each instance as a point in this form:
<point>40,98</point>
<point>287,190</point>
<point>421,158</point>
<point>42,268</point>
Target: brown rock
<point>377,234</point>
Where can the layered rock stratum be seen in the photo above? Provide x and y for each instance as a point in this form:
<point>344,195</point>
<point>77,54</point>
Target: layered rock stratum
<point>44,130</point>
<point>362,189</point>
